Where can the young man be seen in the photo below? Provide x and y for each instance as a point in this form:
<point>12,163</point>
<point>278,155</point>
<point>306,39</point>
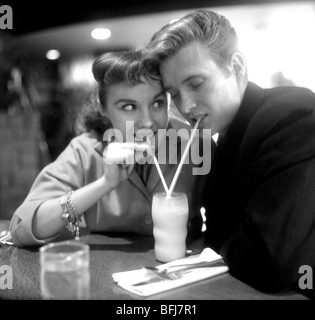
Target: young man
<point>259,197</point>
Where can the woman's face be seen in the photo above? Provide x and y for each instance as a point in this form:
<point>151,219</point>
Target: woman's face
<point>143,106</point>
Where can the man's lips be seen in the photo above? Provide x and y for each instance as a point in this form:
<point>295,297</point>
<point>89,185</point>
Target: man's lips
<point>195,118</point>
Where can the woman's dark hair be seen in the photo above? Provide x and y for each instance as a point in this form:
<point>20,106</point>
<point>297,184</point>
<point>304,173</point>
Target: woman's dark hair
<point>109,69</point>
<point>90,117</point>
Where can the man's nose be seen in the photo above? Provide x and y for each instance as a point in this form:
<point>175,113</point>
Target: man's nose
<point>187,106</point>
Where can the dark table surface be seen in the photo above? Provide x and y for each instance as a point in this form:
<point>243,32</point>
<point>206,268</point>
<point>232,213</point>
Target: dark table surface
<point>121,252</point>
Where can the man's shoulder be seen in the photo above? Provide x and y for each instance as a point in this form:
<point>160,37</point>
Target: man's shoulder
<point>285,113</point>
<point>279,98</point>
<point>289,97</point>
<point>285,105</point>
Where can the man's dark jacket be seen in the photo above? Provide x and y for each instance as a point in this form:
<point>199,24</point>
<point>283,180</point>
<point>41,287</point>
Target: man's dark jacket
<point>260,195</point>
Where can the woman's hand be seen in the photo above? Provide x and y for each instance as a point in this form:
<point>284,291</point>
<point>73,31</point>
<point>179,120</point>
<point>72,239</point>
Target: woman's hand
<point>119,159</point>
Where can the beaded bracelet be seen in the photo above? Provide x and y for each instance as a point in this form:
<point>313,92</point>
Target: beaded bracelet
<point>69,213</point>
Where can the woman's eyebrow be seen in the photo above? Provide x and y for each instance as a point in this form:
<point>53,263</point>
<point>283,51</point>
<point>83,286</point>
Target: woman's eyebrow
<point>125,100</point>
<point>160,94</point>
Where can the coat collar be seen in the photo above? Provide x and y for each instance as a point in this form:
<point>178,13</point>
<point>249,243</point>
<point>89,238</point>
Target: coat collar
<point>252,101</point>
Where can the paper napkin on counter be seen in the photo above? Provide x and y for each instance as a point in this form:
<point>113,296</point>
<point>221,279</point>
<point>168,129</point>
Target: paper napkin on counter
<point>129,280</point>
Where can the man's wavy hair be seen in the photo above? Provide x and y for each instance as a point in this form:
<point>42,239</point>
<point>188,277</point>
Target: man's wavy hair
<point>110,69</point>
<point>209,28</point>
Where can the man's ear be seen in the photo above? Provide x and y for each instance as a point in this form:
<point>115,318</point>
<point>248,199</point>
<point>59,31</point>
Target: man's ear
<point>239,65</point>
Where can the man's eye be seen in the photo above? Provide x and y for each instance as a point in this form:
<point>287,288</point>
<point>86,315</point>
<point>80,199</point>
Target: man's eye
<point>196,83</point>
<point>176,100</point>
<point>129,107</point>
<point>173,95</point>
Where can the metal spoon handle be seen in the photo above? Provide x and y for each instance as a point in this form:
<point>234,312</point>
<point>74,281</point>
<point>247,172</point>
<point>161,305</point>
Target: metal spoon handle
<point>188,266</point>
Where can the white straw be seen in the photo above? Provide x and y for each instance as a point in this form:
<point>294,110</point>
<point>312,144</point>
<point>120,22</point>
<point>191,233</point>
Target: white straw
<point>151,151</point>
<point>161,174</point>
<point>170,191</point>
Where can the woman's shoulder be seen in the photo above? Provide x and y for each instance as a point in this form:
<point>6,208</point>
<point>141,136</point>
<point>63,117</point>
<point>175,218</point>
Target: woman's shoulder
<point>87,141</point>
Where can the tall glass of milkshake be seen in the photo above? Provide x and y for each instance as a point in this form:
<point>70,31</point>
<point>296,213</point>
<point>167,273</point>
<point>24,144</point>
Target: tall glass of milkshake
<point>170,216</point>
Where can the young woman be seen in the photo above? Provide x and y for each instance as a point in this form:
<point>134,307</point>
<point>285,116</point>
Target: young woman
<point>98,179</point>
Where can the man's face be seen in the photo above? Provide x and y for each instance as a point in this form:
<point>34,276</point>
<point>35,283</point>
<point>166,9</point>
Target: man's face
<point>201,89</point>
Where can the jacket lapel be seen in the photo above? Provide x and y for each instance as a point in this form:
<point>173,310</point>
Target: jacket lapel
<point>135,179</point>
<point>252,101</point>
<point>228,148</point>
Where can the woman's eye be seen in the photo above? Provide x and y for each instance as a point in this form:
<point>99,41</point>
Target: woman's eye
<point>129,107</point>
<point>159,104</point>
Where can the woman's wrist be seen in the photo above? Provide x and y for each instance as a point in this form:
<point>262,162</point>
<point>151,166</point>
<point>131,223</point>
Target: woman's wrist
<point>105,185</point>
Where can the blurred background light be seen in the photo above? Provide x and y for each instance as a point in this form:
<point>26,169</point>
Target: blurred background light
<point>77,73</point>
<point>101,33</point>
<point>52,54</point>
<point>280,49</point>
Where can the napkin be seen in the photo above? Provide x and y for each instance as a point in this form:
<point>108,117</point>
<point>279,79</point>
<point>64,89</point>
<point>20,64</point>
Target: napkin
<point>151,284</point>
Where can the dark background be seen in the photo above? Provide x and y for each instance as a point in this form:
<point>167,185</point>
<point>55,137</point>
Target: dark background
<point>32,16</point>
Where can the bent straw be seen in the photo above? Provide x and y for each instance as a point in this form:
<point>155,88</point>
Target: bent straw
<point>170,191</point>
<point>161,174</point>
<point>158,169</point>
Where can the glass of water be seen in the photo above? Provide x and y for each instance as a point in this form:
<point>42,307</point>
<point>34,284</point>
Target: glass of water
<point>65,273</point>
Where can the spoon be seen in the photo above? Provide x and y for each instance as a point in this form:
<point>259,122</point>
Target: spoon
<point>205,259</point>
<point>176,274</point>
